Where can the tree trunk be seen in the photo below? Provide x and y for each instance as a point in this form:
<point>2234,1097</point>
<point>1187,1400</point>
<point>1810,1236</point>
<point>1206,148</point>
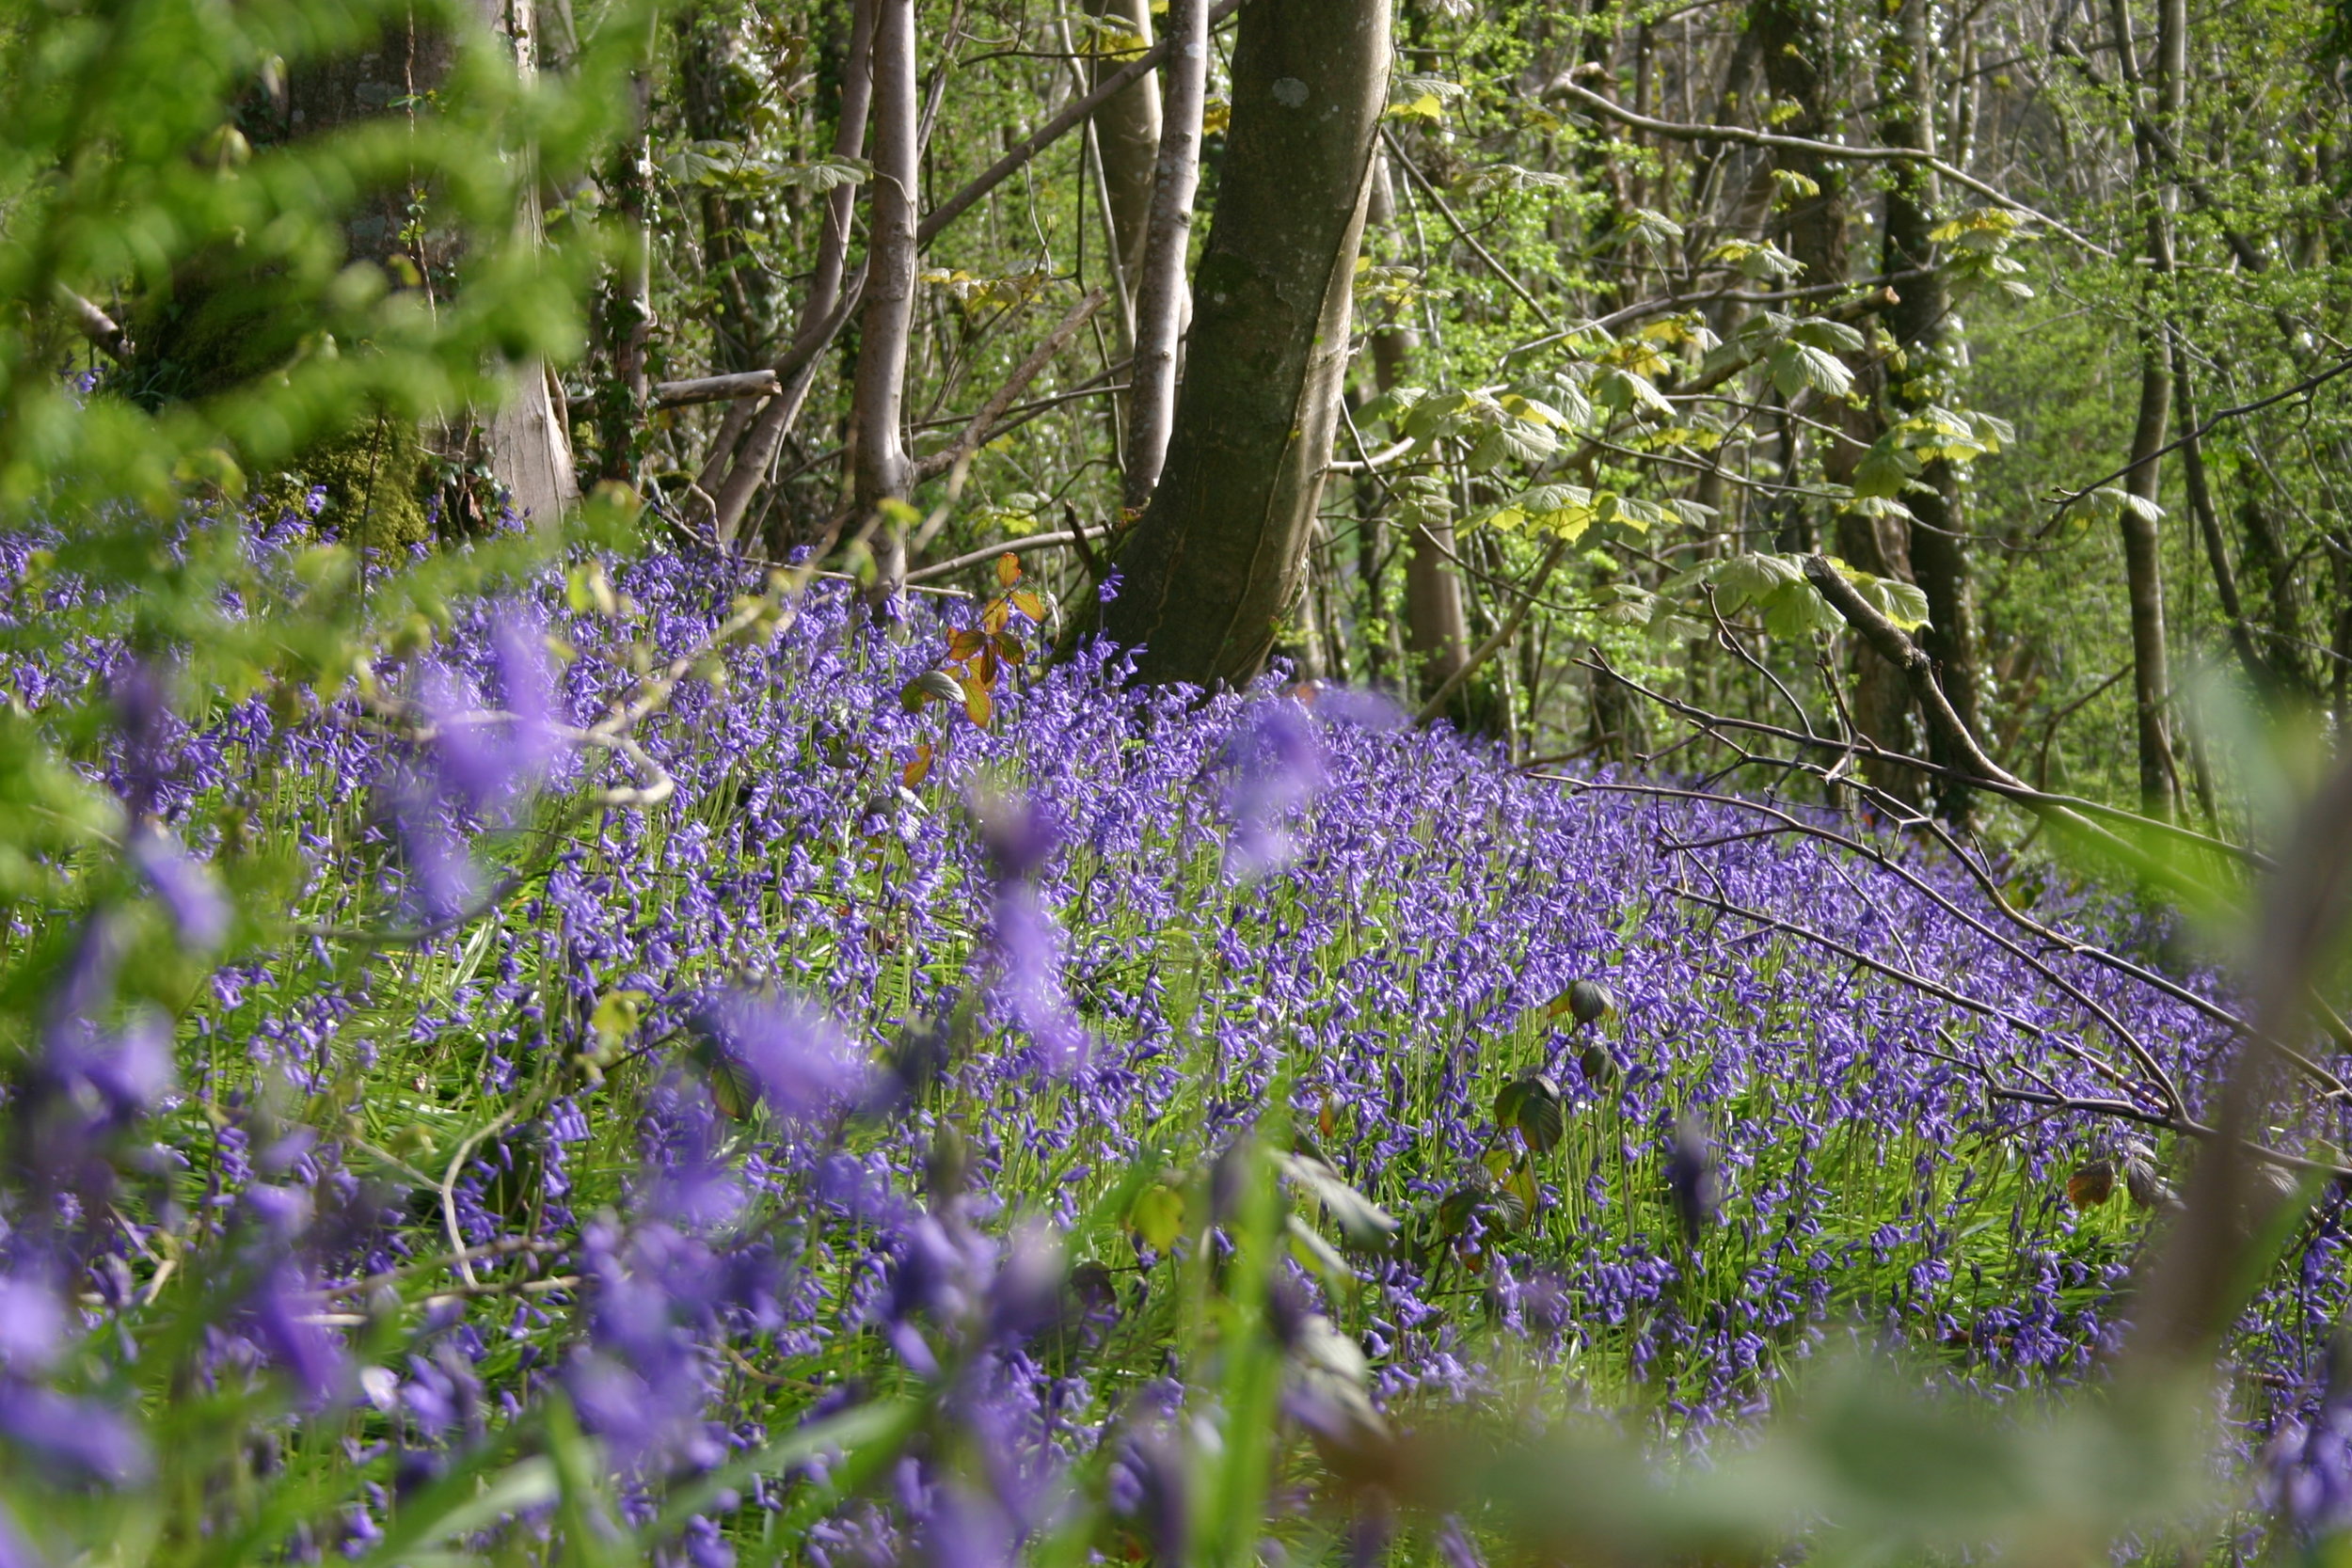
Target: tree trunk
<point>1796,53</point>
<point>1161,291</point>
<point>2285,656</point>
<point>748,466</point>
<point>221,326</point>
<point>1128,133</point>
<point>1920,323</point>
<point>710,99</point>
<point>2143,567</point>
<point>880,463</point>
<point>1215,560</point>
<point>2208,519</point>
<point>528,438</point>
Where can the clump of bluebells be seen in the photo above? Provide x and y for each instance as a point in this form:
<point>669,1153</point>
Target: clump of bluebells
<point>902,1088</point>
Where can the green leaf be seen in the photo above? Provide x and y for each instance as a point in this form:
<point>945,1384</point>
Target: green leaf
<point>1158,1216</point>
<point>1823,333</point>
<point>1798,366</point>
<point>1540,1114</point>
<point>1763,262</point>
<point>1884,470</point>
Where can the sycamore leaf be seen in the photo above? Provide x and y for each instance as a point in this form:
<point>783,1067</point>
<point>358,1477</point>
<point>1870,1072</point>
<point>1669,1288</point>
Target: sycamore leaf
<point>1628,393</point>
<point>1523,440</point>
<point>1656,228</point>
<point>1763,262</point>
<point>1884,470</point>
<point>1414,96</point>
<point>1820,332</point>
<point>1796,366</point>
<point>2111,502</point>
<point>1900,602</point>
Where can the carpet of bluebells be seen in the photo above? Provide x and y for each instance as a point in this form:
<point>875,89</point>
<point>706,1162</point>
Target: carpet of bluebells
<point>892,1050</point>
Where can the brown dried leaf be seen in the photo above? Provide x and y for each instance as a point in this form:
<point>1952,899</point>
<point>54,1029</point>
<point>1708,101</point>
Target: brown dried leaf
<point>2092,1184</point>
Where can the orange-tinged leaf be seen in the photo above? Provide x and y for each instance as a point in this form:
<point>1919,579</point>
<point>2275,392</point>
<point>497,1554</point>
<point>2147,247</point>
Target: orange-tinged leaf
<point>920,768</point>
<point>986,667</point>
<point>1008,569</point>
<point>1029,603</point>
<point>996,617</point>
<point>978,705</point>
<point>2092,1184</point>
<point>965,642</point>
<point>1008,648</point>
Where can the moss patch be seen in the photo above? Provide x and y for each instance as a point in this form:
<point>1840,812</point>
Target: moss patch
<point>375,477</point>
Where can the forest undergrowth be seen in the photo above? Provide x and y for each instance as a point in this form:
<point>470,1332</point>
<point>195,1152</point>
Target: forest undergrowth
<point>830,1116</point>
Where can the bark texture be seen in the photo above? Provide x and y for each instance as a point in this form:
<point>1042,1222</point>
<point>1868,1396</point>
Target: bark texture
<point>1128,132</point>
<point>1215,562</point>
<point>882,468</point>
<point>1161,293</point>
<point>1920,323</point>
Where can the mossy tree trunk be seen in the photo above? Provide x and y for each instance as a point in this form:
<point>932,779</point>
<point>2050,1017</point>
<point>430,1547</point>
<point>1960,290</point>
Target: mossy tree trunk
<point>1215,562</point>
<point>222,324</point>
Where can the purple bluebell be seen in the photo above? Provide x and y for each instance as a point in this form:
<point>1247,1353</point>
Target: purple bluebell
<point>81,1439</point>
<point>200,911</point>
<point>1277,767</point>
<point>799,1058</point>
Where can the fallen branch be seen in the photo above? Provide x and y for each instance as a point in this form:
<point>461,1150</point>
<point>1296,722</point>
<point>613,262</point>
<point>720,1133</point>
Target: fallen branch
<point>2020,794</point>
<point>716,388</point>
<point>102,329</point>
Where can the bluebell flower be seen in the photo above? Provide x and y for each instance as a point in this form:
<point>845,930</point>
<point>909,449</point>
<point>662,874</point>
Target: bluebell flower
<point>190,894</point>
<point>81,1439</point>
<point>1276,766</point>
<point>798,1057</point>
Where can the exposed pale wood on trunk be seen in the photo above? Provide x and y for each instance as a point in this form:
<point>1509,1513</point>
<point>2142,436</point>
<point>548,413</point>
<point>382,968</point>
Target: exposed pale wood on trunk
<point>1161,293</point>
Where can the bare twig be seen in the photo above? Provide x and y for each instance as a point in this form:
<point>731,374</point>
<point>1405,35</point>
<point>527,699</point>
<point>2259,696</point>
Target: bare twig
<point>982,426</point>
<point>1674,132</point>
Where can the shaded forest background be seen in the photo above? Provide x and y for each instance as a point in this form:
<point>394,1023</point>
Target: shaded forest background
<point>1914,284</point>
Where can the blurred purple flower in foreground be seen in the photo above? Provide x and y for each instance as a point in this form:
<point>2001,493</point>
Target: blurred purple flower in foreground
<point>2309,1479</point>
<point>1278,766</point>
<point>485,759</point>
<point>198,911</point>
<point>798,1058</point>
<point>282,1315</point>
<point>442,880</point>
<point>81,1439</point>
<point>141,708</point>
<point>1023,940</point>
<point>32,1324</point>
<point>1691,1177</point>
